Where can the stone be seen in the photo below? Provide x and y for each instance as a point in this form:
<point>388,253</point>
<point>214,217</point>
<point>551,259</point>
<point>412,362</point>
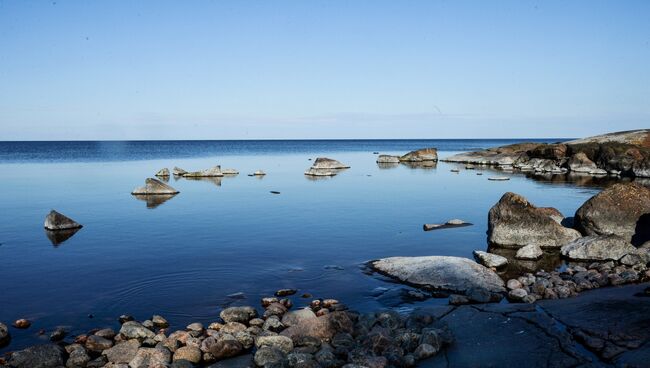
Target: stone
<point>322,327</point>
<point>58,334</point>
<point>225,347</point>
<point>273,324</point>
<point>498,178</point>
<point>529,252</point>
<point>5,336</point>
<point>285,292</point>
<point>320,172</point>
<point>622,209</point>
<point>154,187</point>
<point>269,357</point>
<point>238,314</point>
<point>282,343</point>
<point>98,343</point>
<point>107,333</point>
<point>295,317</point>
<point>581,163</point>
<point>424,154</point>
<point>55,221</point>
<point>230,171</point>
<point>178,171</point>
<point>489,259</point>
<point>259,173</point>
<point>453,274</point>
<point>207,173</point>
<point>517,294</point>
<point>638,256</point>
<point>134,330</point>
<point>387,159</point>
<point>151,357</point>
<point>328,163</point>
<point>164,172</point>
<point>195,327</point>
<point>77,356</point>
<point>39,356</point>
<point>515,222</point>
<point>22,323</point>
<point>189,353</point>
<point>159,321</point>
<point>514,284</point>
<point>424,351</point>
<point>123,352</point>
<point>597,248</point>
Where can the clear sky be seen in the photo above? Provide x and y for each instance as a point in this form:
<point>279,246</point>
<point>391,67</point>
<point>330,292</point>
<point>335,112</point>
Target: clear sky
<point>322,69</point>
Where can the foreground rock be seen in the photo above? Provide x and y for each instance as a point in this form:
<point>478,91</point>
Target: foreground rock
<point>387,159</point>
<point>207,173</point>
<point>598,248</point>
<point>163,172</point>
<point>39,356</point>
<point>55,221</point>
<point>515,222</point>
<point>320,172</point>
<point>424,154</point>
<point>452,274</point>
<point>154,187</point>
<point>621,209</point>
<point>328,164</point>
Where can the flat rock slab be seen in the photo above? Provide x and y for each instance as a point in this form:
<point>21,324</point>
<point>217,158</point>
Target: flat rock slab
<point>454,274</point>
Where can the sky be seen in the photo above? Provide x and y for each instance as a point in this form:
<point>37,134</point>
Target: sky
<point>92,70</point>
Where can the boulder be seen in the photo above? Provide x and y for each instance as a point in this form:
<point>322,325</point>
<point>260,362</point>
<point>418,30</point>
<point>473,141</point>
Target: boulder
<point>598,248</point>
<point>512,153</point>
<point>320,172</point>
<point>424,154</point>
<point>323,327</point>
<point>529,252</point>
<point>178,171</point>
<point>191,354</point>
<point>98,343</point>
<point>154,187</point>
<point>452,274</point>
<point>283,343</point>
<point>387,159</point>
<point>489,259</point>
<point>39,356</point>
<point>582,164</point>
<point>622,209</point>
<point>238,314</point>
<point>134,330</point>
<point>151,357</point>
<point>123,352</point>
<point>499,178</point>
<point>56,221</point>
<point>328,163</point>
<point>5,336</point>
<point>207,173</point>
<point>163,172</point>
<point>514,222</point>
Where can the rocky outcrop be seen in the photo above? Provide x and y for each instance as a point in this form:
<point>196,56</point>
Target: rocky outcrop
<point>424,154</point>
<point>154,187</point>
<point>453,274</point>
<point>328,164</point>
<point>387,159</point>
<point>515,222</point>
<point>55,221</point>
<point>207,173</point>
<point>582,164</point>
<point>505,155</point>
<point>489,259</point>
<point>178,171</point>
<point>621,209</point>
<point>163,172</point>
<point>598,248</point>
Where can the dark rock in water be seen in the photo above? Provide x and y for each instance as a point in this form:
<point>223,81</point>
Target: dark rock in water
<point>275,192</point>
<point>328,163</point>
<point>598,248</point>
<point>58,334</point>
<point>424,154</point>
<point>285,292</point>
<point>621,209</point>
<point>56,221</point>
<point>59,236</point>
<point>452,274</point>
<point>155,187</point>
<point>154,201</point>
<point>163,172</point>
<point>514,222</point>
<point>40,356</point>
<point>5,336</point>
<point>22,323</point>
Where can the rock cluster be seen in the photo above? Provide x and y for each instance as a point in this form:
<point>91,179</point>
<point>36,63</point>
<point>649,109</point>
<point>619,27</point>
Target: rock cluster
<point>324,334</point>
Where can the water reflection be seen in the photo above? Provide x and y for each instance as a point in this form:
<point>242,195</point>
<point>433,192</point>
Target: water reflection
<point>58,237</point>
<point>387,165</point>
<point>154,201</point>
<point>421,165</point>
<point>216,180</point>
<point>549,261</point>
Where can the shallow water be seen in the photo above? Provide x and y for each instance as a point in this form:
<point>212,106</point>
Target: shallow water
<point>183,257</point>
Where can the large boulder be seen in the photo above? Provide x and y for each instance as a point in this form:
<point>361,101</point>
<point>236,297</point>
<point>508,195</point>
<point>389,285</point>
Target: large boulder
<point>328,163</point>
<point>598,248</point>
<point>154,187</point>
<point>621,209</point>
<point>453,274</point>
<point>57,221</point>
<point>207,173</point>
<point>123,352</point>
<point>515,222</point>
<point>424,154</point>
<point>39,356</point>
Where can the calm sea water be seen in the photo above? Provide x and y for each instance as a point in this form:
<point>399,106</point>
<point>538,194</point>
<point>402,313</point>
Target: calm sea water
<point>184,257</point>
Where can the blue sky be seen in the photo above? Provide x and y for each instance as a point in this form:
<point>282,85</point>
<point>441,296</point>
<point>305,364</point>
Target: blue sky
<point>330,69</point>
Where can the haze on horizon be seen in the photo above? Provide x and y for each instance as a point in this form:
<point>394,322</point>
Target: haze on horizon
<point>322,69</point>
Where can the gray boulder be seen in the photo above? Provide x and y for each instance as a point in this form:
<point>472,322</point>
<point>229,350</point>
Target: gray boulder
<point>529,252</point>
<point>621,209</point>
<point>515,222</point>
<point>238,314</point>
<point>178,171</point>
<point>328,163</point>
<point>123,352</point>
<point>39,356</point>
<point>489,259</point>
<point>163,172</point>
<point>453,274</point>
<point>230,171</point>
<point>57,221</point>
<point>387,159</point>
<point>598,248</point>
<point>154,187</point>
<point>424,154</point>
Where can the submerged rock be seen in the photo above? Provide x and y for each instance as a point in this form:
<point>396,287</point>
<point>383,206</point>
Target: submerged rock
<point>154,187</point>
<point>163,172</point>
<point>489,259</point>
<point>56,221</point>
<point>514,222</point>
<point>207,173</point>
<point>621,209</point>
<point>328,163</point>
<point>387,159</point>
<point>453,274</point>
<point>424,154</point>
<point>178,171</point>
<point>598,248</point>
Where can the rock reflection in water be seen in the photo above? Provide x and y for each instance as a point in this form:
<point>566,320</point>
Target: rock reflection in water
<point>387,165</point>
<point>516,267</point>
<point>154,201</point>
<point>59,236</point>
<point>421,164</point>
<point>216,180</point>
